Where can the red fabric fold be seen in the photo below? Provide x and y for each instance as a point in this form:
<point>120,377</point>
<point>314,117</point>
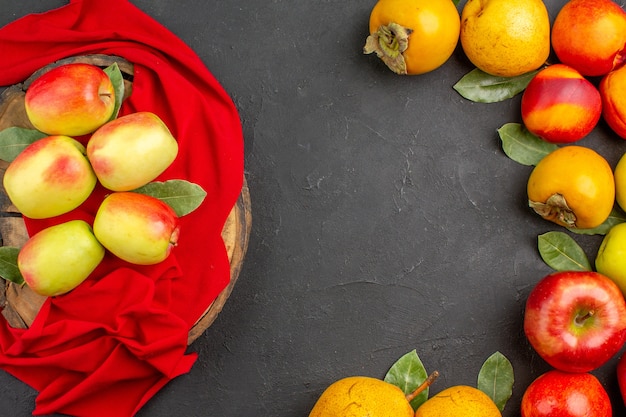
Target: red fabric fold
<point>107,347</point>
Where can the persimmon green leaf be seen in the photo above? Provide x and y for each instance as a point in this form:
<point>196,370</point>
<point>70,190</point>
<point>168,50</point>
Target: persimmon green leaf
<point>522,146</point>
<point>478,86</point>
<point>496,378</point>
<point>561,252</point>
<point>408,373</point>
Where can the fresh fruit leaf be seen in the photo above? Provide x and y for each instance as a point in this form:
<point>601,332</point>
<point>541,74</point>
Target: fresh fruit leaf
<point>14,139</point>
<point>522,146</point>
<point>183,196</point>
<point>562,253</point>
<point>617,216</point>
<point>117,79</point>
<point>496,379</point>
<point>478,86</point>
<point>408,373</point>
<point>8,265</point>
<point>456,2</point>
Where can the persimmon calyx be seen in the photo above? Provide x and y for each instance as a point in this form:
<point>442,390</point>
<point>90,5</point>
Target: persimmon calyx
<point>389,42</point>
<point>555,209</point>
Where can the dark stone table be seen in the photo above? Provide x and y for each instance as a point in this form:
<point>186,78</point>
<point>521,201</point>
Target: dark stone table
<point>386,216</point>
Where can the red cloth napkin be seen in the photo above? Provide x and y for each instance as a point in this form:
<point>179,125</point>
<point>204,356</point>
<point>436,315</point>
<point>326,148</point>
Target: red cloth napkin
<point>107,347</point>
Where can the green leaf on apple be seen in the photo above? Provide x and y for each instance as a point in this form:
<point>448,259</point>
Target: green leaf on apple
<point>617,216</point>
<point>522,146</point>
<point>562,253</point>
<point>183,196</point>
<point>8,265</point>
<point>14,139</point>
<point>496,379</point>
<point>117,79</point>
<point>478,86</point>
<point>408,373</point>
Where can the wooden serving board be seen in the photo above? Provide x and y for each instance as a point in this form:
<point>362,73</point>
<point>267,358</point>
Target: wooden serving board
<point>20,304</point>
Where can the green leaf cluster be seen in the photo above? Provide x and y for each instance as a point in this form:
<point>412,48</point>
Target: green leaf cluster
<point>495,378</point>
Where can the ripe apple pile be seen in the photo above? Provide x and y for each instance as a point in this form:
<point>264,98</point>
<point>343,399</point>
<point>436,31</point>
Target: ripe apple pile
<point>56,174</point>
<point>576,322</point>
<point>560,105</point>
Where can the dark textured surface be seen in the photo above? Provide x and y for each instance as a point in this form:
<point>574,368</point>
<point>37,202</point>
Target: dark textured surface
<point>386,217</point>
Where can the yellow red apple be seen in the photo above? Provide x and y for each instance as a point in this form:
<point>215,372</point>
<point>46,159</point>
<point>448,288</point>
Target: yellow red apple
<point>57,259</point>
<point>50,177</point>
<point>613,93</point>
<point>71,99</point>
<point>137,228</point>
<point>590,35</point>
<point>560,105</point>
<point>576,320</point>
<point>564,394</point>
<point>131,151</point>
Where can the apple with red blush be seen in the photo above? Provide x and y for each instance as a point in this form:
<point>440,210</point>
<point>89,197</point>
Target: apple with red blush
<point>564,394</point>
<point>560,105</point>
<point>137,228</point>
<point>575,320</point>
<point>50,177</point>
<point>59,258</point>
<point>132,150</point>
<point>70,99</point>
<point>590,36</point>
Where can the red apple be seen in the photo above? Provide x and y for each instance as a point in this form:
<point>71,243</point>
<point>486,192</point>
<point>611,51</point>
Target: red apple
<point>137,228</point>
<point>560,105</point>
<point>71,99</point>
<point>590,35</point>
<point>563,394</point>
<point>50,177</point>
<point>131,151</point>
<point>576,320</point>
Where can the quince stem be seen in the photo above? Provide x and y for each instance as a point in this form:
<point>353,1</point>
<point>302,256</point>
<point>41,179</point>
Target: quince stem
<point>427,382</point>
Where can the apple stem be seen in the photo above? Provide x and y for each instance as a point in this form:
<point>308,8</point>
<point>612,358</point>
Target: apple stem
<point>583,318</point>
<point>431,378</point>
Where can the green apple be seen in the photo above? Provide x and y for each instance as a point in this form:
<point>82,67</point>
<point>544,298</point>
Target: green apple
<point>57,259</point>
<point>132,150</point>
<point>71,99</point>
<point>137,228</point>
<point>51,176</point>
<point>611,257</point>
